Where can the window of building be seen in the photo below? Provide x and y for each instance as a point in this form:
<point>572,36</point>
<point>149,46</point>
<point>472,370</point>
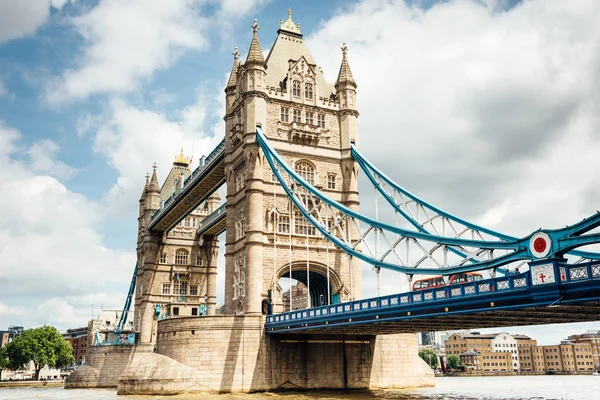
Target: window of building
<point>183,288</point>
<point>321,120</point>
<point>306,171</point>
<point>194,312</point>
<point>175,311</point>
<point>285,114</point>
<point>163,258</point>
<point>193,290</point>
<point>297,116</point>
<point>240,227</point>
<point>331,181</point>
<point>296,88</point>
<point>308,90</point>
<point>166,288</point>
<point>310,118</point>
<point>175,288</point>
<point>181,257</point>
<point>240,179</point>
<point>302,226</point>
<point>199,261</point>
<point>283,224</point>
<point>186,222</point>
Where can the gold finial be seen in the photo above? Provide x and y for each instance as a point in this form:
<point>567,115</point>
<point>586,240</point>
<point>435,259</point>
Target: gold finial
<point>289,25</point>
<point>236,53</point>
<point>181,159</point>
<point>344,49</point>
<point>255,27</point>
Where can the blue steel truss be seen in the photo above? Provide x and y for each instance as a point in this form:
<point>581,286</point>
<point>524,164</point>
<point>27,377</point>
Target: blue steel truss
<point>423,215</point>
<point>128,301</point>
<point>444,254</point>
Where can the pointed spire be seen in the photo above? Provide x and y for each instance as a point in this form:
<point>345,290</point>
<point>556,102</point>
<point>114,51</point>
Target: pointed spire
<point>154,186</point>
<point>145,189</point>
<point>255,55</point>
<point>236,64</point>
<point>345,74</point>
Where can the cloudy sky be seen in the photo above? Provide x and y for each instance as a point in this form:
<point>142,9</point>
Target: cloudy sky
<point>486,108</point>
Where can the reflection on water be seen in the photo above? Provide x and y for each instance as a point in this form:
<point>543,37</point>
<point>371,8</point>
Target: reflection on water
<point>475,388</point>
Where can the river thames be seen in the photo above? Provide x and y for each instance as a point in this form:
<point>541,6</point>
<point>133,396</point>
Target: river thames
<point>464,388</point>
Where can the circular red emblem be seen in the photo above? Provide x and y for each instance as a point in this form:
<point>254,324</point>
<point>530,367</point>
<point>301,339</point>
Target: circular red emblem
<point>539,245</point>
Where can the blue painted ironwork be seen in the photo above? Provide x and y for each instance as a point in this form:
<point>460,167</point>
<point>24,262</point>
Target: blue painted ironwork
<point>128,301</point>
<point>309,201</point>
<point>207,163</point>
<point>382,181</point>
<point>444,300</point>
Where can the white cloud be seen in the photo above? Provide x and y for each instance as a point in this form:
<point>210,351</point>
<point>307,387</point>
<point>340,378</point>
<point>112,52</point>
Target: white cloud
<point>43,159</point>
<point>125,43</point>
<point>48,244</point>
<point>497,112</point>
<point>22,18</point>
<point>132,138</point>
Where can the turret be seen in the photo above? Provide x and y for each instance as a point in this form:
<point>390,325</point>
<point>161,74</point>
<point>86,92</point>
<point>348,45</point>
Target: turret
<point>153,192</point>
<point>232,82</point>
<point>345,87</point>
<point>143,196</point>
<point>255,67</point>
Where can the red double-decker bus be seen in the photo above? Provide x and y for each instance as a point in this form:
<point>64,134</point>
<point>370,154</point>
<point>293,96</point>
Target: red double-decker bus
<point>438,281</point>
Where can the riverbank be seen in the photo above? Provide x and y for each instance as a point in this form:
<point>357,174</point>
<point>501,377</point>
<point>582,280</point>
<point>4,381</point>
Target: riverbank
<point>10,384</point>
<point>507,373</point>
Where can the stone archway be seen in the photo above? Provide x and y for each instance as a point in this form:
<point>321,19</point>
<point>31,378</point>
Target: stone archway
<point>316,273</point>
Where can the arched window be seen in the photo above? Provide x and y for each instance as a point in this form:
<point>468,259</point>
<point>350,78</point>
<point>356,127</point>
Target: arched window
<point>306,171</point>
<point>308,90</point>
<point>296,88</point>
<point>181,257</point>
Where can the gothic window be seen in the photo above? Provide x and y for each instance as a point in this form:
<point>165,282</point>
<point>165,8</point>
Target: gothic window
<point>163,258</point>
<point>187,222</point>
<point>240,179</point>
<point>302,226</point>
<point>239,278</point>
<point>306,171</point>
<point>296,88</point>
<point>283,225</point>
<point>308,90</point>
<point>331,181</point>
<point>199,261</point>
<point>310,118</point>
<point>183,288</point>
<point>297,116</point>
<point>321,120</point>
<point>166,288</point>
<point>175,288</point>
<point>240,227</point>
<point>181,257</point>
<point>193,290</point>
<point>285,114</point>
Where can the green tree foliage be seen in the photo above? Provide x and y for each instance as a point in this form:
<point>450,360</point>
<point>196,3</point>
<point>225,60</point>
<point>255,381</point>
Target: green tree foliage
<point>44,346</point>
<point>4,363</point>
<point>453,361</point>
<point>429,357</point>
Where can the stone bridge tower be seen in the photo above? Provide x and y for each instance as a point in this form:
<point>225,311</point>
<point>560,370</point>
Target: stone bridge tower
<point>176,269</point>
<point>312,124</point>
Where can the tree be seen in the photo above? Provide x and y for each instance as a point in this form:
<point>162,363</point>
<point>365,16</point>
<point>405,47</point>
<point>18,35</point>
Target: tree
<point>4,362</point>
<point>44,346</point>
<point>453,361</point>
<point>429,357</point>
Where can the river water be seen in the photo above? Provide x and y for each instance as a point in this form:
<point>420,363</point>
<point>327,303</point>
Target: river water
<point>464,388</point>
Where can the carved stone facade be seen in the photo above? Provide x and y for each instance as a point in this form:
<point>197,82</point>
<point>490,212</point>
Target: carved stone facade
<point>176,269</point>
<point>302,116</point>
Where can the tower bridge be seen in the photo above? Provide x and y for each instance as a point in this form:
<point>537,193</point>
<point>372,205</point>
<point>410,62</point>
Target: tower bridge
<point>290,162</point>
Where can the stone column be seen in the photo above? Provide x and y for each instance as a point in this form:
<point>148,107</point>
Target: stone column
<point>212,252</point>
<point>254,232</point>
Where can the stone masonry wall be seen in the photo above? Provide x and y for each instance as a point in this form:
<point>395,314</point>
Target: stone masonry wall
<point>235,355</point>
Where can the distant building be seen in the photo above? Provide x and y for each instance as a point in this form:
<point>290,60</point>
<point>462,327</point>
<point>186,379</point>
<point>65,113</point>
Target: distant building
<point>497,361</point>
<point>427,338</point>
<point>9,335</point>
<point>79,341</point>
<point>593,338</point>
<point>299,297</point>
<point>105,325</point>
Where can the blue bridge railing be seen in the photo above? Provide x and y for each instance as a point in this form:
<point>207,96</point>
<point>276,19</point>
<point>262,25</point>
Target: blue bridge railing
<point>500,285</point>
<point>205,163</point>
<point>212,217</point>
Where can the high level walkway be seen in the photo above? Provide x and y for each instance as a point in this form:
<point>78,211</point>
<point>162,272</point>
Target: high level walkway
<point>203,182</point>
